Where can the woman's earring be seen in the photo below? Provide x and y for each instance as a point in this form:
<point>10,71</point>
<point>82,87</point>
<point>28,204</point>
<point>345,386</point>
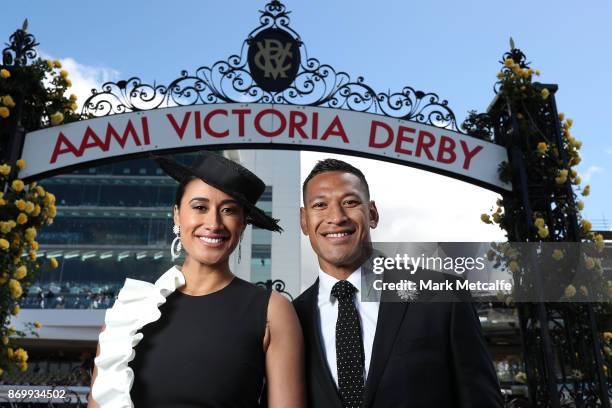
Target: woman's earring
<point>177,241</point>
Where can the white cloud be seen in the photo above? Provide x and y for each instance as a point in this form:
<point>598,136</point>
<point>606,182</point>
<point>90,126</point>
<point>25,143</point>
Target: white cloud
<point>590,171</point>
<point>415,205</point>
<point>84,77</point>
<point>609,151</point>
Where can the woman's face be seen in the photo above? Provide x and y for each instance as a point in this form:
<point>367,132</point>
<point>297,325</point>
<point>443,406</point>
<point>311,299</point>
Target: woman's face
<point>210,222</point>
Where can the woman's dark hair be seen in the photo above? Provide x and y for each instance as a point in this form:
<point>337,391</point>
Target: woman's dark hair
<point>181,190</point>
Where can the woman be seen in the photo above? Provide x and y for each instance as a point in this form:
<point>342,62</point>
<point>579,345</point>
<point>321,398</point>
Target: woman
<point>200,336</point>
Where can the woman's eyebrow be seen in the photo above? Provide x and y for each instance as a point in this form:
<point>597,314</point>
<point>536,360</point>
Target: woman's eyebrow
<point>199,199</point>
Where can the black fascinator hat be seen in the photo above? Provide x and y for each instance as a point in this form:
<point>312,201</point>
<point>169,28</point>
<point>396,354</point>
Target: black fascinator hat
<point>227,176</point>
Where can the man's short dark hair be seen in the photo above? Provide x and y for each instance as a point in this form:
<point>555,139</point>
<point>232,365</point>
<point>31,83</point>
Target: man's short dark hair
<point>327,165</point>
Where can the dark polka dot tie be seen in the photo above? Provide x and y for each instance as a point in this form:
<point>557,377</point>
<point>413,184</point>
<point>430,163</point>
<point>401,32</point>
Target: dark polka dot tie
<point>349,346</point>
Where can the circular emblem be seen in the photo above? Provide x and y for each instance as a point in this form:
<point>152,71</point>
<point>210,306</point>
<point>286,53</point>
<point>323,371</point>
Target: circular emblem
<point>274,59</point>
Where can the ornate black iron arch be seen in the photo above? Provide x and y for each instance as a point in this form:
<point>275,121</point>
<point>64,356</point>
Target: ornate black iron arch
<point>315,84</point>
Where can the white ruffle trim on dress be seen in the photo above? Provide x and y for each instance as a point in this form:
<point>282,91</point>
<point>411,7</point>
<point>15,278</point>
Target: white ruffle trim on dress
<point>137,305</point>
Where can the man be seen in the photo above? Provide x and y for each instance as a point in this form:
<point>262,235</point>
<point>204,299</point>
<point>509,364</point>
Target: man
<point>378,354</point>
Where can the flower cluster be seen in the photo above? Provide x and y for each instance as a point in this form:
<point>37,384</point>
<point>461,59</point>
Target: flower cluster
<point>41,89</point>
<point>36,95</point>
<point>24,209</point>
<point>552,161</point>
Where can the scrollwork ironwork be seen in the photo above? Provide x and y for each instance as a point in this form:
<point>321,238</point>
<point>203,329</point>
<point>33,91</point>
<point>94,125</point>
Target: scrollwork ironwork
<point>276,284</point>
<point>230,81</point>
<point>20,48</point>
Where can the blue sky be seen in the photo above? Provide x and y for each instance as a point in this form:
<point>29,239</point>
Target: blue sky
<point>451,48</point>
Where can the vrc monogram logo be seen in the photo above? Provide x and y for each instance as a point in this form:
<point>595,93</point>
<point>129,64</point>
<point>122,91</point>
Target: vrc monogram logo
<point>271,57</point>
<point>274,59</point>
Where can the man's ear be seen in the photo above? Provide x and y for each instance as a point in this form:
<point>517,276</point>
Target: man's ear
<point>374,217</point>
<point>303,224</point>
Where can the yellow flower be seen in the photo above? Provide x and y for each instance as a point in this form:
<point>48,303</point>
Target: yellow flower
<point>57,64</point>
<point>520,377</point>
<point>485,218</point>
<point>15,288</point>
<point>570,291</point>
<point>53,263</point>
<point>23,367</point>
<point>577,180</point>
<point>33,255</point>
<point>49,64</point>
<point>607,336</point>
<point>496,218</point>
<point>16,310</point>
<point>542,147</point>
<point>29,207</point>
<point>537,72</point>
<point>5,169</point>
<point>68,83</point>
<point>598,238</point>
<point>544,93</point>
<point>38,325</point>
<point>7,100</point>
<point>4,244</point>
<point>4,73</point>
<point>569,122</point>
<point>20,272</point>
<point>5,340</point>
<point>21,355</point>
<point>74,107</point>
<point>57,118</point>
<point>30,233</point>
<point>509,62</point>
<point>561,116</point>
<point>586,225</point>
<point>17,185</point>
<point>500,75</point>
<point>539,222</point>
<point>40,190</point>
<point>20,164</point>
<point>36,210</point>
<point>34,245</point>
<point>580,205</point>
<point>589,263</point>
<point>73,98</point>
<point>586,190</point>
<point>584,291</point>
<point>20,204</point>
<point>4,112</point>
<point>64,73</point>
<point>557,254</point>
<point>514,267</point>
<point>543,232</point>
<point>22,218</point>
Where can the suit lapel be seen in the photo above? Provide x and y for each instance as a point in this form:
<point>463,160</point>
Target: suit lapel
<point>390,316</point>
<point>323,373</point>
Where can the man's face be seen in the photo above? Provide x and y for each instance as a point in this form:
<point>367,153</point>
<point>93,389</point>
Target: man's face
<point>337,217</point>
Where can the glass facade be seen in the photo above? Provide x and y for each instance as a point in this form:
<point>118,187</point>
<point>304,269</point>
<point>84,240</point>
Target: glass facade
<point>115,222</point>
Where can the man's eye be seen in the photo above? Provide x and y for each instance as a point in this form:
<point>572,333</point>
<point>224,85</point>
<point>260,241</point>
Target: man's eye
<point>318,205</point>
<point>351,202</point>
<point>228,210</point>
<point>199,207</point>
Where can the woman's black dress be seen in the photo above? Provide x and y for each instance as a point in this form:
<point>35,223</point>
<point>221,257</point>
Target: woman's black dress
<point>204,351</point>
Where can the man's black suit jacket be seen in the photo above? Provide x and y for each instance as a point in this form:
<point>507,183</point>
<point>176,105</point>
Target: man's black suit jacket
<point>425,355</point>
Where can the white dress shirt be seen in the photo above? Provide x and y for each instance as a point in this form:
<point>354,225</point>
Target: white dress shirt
<point>328,315</point>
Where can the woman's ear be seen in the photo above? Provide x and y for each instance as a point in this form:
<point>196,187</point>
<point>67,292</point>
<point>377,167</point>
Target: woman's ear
<point>176,215</point>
